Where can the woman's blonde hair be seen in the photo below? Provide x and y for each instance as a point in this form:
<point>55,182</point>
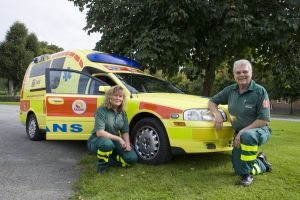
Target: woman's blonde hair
<point>111,92</point>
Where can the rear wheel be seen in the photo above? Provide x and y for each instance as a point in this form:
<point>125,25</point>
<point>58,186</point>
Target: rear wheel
<point>32,129</point>
<point>151,142</point>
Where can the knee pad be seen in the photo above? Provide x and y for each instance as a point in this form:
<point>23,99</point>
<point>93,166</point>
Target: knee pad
<point>106,145</point>
<point>248,137</point>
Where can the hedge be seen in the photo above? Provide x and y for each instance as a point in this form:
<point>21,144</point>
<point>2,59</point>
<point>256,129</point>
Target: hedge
<point>8,98</point>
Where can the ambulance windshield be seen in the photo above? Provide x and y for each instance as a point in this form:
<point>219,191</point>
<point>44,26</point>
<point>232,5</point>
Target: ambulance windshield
<point>137,83</point>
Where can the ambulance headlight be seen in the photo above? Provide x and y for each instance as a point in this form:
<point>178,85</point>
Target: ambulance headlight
<point>201,115</point>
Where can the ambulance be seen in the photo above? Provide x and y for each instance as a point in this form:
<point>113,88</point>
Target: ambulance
<point>61,92</point>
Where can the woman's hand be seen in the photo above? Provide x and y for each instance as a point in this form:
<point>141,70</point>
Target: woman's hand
<point>128,147</point>
<point>122,143</point>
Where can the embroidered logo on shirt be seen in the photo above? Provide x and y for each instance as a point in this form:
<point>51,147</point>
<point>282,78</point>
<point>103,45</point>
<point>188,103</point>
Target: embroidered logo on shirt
<point>249,106</point>
<point>266,103</point>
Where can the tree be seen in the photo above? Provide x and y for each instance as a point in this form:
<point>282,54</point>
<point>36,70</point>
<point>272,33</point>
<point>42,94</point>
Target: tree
<point>167,34</point>
<point>33,44</point>
<point>17,51</point>
<point>49,48</point>
<point>14,58</point>
<point>286,85</point>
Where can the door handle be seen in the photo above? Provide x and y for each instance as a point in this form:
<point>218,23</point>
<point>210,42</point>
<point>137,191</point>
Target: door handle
<point>57,101</point>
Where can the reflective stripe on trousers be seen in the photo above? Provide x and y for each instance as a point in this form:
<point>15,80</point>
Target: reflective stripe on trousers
<point>122,161</point>
<point>248,152</point>
<point>101,155</point>
<point>256,169</point>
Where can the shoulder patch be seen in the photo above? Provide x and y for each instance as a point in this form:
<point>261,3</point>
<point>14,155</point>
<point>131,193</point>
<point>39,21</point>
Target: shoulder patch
<point>266,103</point>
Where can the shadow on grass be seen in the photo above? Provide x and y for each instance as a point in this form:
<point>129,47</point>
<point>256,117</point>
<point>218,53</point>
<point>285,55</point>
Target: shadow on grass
<point>203,158</point>
<point>69,146</point>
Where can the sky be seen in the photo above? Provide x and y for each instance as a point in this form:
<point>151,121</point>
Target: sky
<point>57,22</point>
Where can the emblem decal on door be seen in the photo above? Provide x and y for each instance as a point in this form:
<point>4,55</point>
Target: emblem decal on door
<point>79,106</point>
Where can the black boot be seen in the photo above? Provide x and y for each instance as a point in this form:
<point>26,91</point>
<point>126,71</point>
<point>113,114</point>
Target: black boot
<point>261,156</point>
<point>246,180</point>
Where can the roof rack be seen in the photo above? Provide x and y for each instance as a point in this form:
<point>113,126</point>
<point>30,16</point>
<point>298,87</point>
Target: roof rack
<point>41,58</point>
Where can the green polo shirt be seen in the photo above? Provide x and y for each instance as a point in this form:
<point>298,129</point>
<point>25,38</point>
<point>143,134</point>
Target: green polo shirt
<point>110,121</point>
<point>247,107</point>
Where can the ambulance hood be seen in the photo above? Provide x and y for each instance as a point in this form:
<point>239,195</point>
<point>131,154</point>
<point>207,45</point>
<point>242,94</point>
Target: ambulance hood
<point>173,100</point>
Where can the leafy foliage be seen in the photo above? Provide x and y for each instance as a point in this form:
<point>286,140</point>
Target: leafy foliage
<point>287,83</point>
<point>14,57</point>
<point>49,48</point>
<point>168,34</point>
<point>17,51</point>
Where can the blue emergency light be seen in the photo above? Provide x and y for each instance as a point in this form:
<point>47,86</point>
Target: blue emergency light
<point>112,59</point>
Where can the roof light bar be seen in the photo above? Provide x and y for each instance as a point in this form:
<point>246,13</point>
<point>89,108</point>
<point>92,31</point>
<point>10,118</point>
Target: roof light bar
<point>112,59</point>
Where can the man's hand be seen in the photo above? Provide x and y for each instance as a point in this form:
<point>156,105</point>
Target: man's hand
<point>237,140</point>
<point>218,121</point>
<point>218,117</point>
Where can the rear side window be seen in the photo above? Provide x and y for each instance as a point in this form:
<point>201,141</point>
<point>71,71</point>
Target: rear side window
<point>58,63</point>
<point>39,69</point>
<point>61,81</point>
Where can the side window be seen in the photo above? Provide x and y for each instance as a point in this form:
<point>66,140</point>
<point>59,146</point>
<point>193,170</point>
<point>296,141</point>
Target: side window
<point>107,80</point>
<point>94,86</point>
<point>98,81</point>
<point>58,63</point>
<point>69,82</point>
<point>39,69</point>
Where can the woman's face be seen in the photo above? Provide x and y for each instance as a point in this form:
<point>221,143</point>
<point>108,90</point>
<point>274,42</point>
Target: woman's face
<point>116,99</point>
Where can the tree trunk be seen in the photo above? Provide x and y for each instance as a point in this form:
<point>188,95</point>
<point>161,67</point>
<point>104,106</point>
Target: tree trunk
<point>209,79</point>
<point>11,87</point>
<point>291,107</point>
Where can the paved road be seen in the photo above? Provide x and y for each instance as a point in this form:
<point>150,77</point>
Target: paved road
<point>44,170</point>
<point>286,118</point>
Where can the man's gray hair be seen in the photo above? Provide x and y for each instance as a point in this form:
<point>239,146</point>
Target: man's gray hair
<point>242,62</point>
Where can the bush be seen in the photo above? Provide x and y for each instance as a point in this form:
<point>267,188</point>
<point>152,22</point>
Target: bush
<point>8,98</point>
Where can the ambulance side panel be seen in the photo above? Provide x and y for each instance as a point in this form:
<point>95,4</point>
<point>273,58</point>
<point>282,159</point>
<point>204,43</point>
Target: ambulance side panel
<point>71,102</point>
<point>33,93</point>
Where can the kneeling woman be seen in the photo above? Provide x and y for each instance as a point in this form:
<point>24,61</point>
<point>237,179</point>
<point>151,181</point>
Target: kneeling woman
<point>110,136</point>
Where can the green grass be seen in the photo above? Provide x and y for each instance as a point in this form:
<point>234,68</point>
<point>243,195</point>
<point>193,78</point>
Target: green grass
<point>200,176</point>
<point>10,103</point>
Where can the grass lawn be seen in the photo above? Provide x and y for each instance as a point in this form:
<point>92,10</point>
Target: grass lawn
<point>10,103</point>
<point>200,176</point>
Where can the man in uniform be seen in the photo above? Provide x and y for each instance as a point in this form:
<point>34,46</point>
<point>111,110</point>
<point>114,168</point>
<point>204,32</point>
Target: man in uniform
<point>248,105</point>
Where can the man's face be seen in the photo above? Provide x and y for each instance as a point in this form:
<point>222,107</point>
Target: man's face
<point>242,75</point>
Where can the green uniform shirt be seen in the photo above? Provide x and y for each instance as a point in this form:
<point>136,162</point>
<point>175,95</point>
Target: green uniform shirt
<point>110,121</point>
<point>247,107</point>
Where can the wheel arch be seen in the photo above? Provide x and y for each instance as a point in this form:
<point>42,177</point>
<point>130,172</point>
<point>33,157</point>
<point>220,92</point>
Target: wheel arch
<point>144,115</point>
<point>28,114</point>
<point>164,154</point>
<point>31,112</point>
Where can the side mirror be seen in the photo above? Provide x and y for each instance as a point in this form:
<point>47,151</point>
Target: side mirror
<point>103,88</point>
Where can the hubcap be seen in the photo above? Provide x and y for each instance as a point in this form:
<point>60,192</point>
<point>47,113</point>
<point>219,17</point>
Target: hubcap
<point>32,128</point>
<point>147,142</point>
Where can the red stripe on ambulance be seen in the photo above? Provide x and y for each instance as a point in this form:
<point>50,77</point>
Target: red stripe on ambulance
<point>72,107</point>
<point>163,111</point>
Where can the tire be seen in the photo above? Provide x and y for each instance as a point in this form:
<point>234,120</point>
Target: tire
<point>32,129</point>
<point>151,142</point>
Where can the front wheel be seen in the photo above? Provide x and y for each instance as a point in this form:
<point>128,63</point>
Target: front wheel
<point>32,129</point>
<point>151,142</point>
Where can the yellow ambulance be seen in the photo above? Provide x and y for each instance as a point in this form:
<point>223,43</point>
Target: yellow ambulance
<point>61,92</point>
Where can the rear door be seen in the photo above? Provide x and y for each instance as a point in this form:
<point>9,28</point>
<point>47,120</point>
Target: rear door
<point>71,101</point>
